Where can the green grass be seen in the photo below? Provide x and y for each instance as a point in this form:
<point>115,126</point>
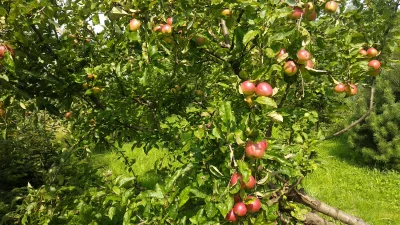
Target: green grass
<point>343,182</point>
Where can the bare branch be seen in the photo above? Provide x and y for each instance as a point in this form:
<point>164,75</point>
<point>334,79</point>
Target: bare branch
<point>225,32</point>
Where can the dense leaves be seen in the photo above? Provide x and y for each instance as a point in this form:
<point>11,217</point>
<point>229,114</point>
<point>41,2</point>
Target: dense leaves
<point>173,94</point>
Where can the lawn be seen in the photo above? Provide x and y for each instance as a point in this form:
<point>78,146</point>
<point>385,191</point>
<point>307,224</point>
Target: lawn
<point>342,181</point>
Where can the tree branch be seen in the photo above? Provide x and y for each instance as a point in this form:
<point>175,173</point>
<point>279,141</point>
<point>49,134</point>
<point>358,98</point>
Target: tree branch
<point>325,209</point>
<point>313,219</point>
<point>225,32</point>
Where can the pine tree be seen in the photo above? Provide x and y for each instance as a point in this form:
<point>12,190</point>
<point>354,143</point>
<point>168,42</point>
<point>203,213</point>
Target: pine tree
<point>378,138</point>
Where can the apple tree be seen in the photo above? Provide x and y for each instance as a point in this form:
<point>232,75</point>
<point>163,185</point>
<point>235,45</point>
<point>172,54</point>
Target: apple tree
<point>229,92</point>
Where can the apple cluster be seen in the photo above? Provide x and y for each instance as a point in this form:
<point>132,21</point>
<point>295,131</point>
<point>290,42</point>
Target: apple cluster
<point>309,13</point>
<point>251,203</point>
<point>374,65</point>
<point>303,59</point>
<point>262,89</point>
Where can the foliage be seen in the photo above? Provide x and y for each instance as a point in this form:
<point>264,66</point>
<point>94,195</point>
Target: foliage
<point>169,94</point>
<point>378,139</point>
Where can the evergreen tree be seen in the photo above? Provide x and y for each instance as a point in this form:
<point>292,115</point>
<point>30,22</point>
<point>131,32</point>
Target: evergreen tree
<point>378,138</point>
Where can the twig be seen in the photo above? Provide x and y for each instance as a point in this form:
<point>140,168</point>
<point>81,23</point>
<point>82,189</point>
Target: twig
<point>225,32</point>
<point>232,157</point>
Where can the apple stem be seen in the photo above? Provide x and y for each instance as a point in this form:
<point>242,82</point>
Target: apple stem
<point>232,157</point>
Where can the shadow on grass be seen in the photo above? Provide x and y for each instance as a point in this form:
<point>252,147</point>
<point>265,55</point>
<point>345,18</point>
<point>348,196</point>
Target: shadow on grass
<point>339,148</point>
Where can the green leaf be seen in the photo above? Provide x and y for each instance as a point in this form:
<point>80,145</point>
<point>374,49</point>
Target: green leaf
<point>22,105</point>
<point>250,35</point>
<point>184,196</point>
<point>216,132</point>
<point>198,193</point>
<point>226,206</point>
<point>111,212</point>
<point>199,133</point>
<point>211,210</point>
<point>4,77</point>
<point>266,101</point>
<point>276,116</point>
<point>214,170</point>
<point>244,170</point>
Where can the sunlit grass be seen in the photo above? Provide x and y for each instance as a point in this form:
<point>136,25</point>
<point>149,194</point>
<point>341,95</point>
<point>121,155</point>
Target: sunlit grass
<point>343,182</point>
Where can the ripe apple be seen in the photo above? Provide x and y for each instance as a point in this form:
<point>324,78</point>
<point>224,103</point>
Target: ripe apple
<point>96,90</point>
<point>374,73</point>
<point>158,28</point>
<point>91,76</point>
<point>363,52</point>
<point>169,21</point>
<point>248,88</point>
<point>3,50</point>
<point>263,144</point>
<point>281,53</point>
<point>374,64</point>
<point>166,29</point>
<point>339,88</point>
<point>255,150</point>
<point>264,89</point>
<point>231,216</point>
<point>68,115</point>
<point>309,7</point>
<point>311,16</point>
<point>237,177</point>
<point>254,205</point>
<point>250,184</point>
<point>200,41</point>
<point>331,6</point>
<point>310,64</point>
<point>372,52</point>
<point>237,198</point>
<point>296,13</point>
<point>290,68</point>
<point>240,209</point>
<point>350,89</point>
<point>303,56</point>
<point>134,25</point>
<point>226,12</point>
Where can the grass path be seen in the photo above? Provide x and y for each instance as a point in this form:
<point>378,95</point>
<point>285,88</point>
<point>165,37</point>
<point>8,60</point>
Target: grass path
<point>342,182</point>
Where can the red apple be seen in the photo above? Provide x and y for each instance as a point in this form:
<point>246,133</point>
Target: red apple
<point>254,205</point>
<point>331,6</point>
<point>290,68</point>
<point>311,16</point>
<point>237,177</point>
<point>255,150</point>
<point>237,198</point>
<point>310,64</point>
<point>281,53</point>
<point>169,21</point>
<point>339,88</point>
<point>296,13</point>
<point>372,52</point>
<point>248,88</point>
<point>68,115</point>
<point>309,7</point>
<point>158,28</point>
<point>375,72</point>
<point>231,216</point>
<point>263,144</point>
<point>240,209</point>
<point>200,41</point>
<point>303,56</point>
<point>134,25</point>
<point>250,184</point>
<point>226,12</point>
<point>351,89</point>
<point>363,52</point>
<point>3,50</point>
<point>264,89</point>
<point>374,64</point>
<point>166,29</point>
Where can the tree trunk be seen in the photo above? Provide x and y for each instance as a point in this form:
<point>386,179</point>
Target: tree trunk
<point>314,219</point>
